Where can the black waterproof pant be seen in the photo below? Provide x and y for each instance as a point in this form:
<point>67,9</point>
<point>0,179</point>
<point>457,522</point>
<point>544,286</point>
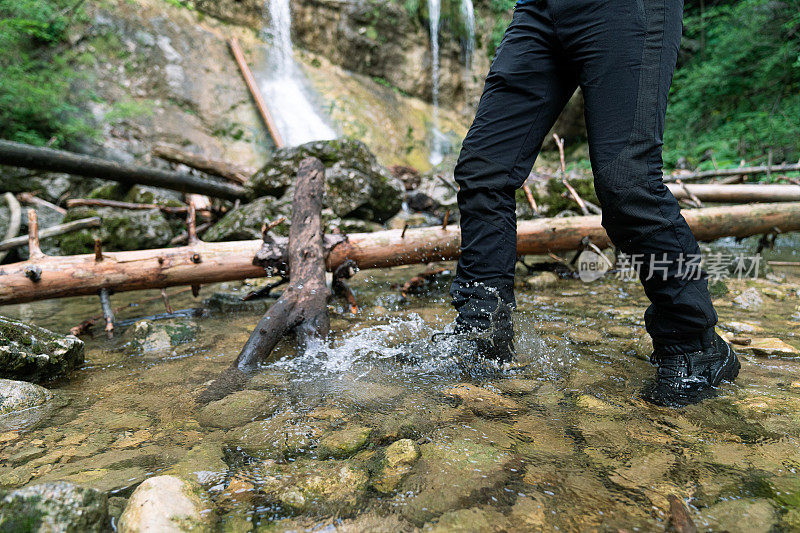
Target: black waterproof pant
<point>622,53</point>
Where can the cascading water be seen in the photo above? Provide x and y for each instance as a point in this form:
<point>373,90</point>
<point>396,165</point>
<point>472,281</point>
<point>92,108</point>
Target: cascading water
<point>468,12</point>
<point>437,141</point>
<point>283,85</point>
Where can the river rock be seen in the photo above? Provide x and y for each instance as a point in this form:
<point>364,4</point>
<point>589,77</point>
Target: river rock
<point>483,402</point>
<point>397,460</point>
<point>52,507</point>
<point>245,222</point>
<point>165,504</point>
<point>156,336</point>
<point>333,485</point>
<point>356,186</point>
<point>343,443</point>
<point>450,475</point>
<point>282,436</point>
<point>770,346</point>
<point>749,300</point>
<point>137,194</point>
<point>231,302</point>
<point>742,327</point>
<point>120,229</point>
<point>754,515</point>
<point>20,395</point>
<point>32,353</point>
<point>542,280</point>
<point>237,409</point>
<point>204,463</point>
<point>473,520</point>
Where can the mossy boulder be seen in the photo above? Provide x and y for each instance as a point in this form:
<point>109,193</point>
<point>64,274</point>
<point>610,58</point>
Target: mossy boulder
<point>58,506</point>
<point>204,463</point>
<point>151,336</point>
<point>245,222</point>
<point>120,229</point>
<point>283,436</point>
<point>344,442</point>
<point>397,461</point>
<point>356,185</point>
<point>31,353</point>
<point>138,194</point>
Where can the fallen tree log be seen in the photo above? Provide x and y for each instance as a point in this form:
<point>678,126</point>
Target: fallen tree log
<point>37,158</point>
<point>736,193</point>
<point>204,262</point>
<point>214,167</point>
<point>737,171</point>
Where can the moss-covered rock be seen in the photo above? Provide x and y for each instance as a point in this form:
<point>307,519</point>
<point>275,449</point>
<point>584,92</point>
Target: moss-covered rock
<point>237,409</point>
<point>555,198</point>
<point>282,436</point>
<point>343,443</point>
<point>20,395</point>
<point>119,230</point>
<point>204,463</point>
<point>397,461</point>
<point>138,194</point>
<point>31,353</point>
<point>150,336</point>
<point>356,185</point>
<point>57,506</point>
<point>245,222</point>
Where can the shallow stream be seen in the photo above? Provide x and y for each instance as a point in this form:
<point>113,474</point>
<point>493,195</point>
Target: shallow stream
<point>560,442</point>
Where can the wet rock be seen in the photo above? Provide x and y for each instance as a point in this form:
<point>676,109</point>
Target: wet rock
<point>32,353</point>
<point>284,435</point>
<point>542,280</point>
<point>641,347</point>
<point>410,176</point>
<point>623,332</point>
<point>770,346</point>
<point>473,520</point>
<point>528,512</point>
<point>344,442</point>
<point>438,191</point>
<point>419,201</point>
<point>231,302</point>
<point>397,460</point>
<point>137,194</point>
<point>747,328</point>
<point>120,229</point>
<point>245,222</point>
<point>518,386</point>
<point>755,515</point>
<point>449,475</point>
<point>356,185</point>
<point>644,471</point>
<point>538,436</point>
<point>56,506</point>
<point>237,409</point>
<point>749,300</point>
<point>20,395</point>
<point>333,485</point>
<point>203,463</point>
<point>164,504</point>
<point>483,402</point>
<point>156,336</point>
<point>585,336</point>
<point>773,292</point>
<point>351,225</point>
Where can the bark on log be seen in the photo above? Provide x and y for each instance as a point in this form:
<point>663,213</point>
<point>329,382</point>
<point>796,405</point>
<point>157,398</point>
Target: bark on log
<point>36,158</point>
<point>223,169</point>
<point>303,306</point>
<point>204,262</point>
<point>737,193</point>
<point>738,171</point>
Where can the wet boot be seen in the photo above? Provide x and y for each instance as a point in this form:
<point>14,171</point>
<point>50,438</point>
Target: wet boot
<point>687,378</point>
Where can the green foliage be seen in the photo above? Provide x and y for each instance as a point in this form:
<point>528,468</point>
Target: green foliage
<point>738,94</point>
<point>37,103</point>
<point>501,10</point>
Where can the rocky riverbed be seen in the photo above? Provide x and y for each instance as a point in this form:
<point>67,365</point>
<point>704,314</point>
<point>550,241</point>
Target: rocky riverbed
<point>382,430</point>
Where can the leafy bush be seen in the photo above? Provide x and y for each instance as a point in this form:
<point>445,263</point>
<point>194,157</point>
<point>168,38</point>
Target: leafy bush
<point>36,101</point>
<point>738,93</point>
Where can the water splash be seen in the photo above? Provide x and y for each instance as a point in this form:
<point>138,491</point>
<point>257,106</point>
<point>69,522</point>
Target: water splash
<point>283,84</point>
<point>438,139</point>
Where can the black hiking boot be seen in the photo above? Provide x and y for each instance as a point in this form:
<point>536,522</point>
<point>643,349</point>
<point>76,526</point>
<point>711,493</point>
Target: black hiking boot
<point>687,378</point>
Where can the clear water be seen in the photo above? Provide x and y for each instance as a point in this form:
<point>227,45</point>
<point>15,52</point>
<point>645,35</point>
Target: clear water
<point>284,87</point>
<point>562,442</point>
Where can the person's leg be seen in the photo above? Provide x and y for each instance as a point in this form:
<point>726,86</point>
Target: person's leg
<point>626,51</point>
<point>527,87</point>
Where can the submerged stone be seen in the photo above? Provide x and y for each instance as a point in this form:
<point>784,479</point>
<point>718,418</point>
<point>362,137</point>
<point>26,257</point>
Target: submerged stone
<point>20,395</point>
<point>397,461</point>
<point>770,346</point>
<point>284,435</point>
<point>754,515</point>
<point>237,409</point>
<point>231,302</point>
<point>344,442</point>
<point>473,520</point>
<point>203,463</point>
<point>31,353</point>
<point>59,506</point>
<point>165,504</point>
<point>483,402</point>
<point>155,336</point>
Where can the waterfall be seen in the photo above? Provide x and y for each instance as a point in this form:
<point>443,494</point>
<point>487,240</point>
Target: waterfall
<point>468,12</point>
<point>284,87</point>
<point>438,141</point>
